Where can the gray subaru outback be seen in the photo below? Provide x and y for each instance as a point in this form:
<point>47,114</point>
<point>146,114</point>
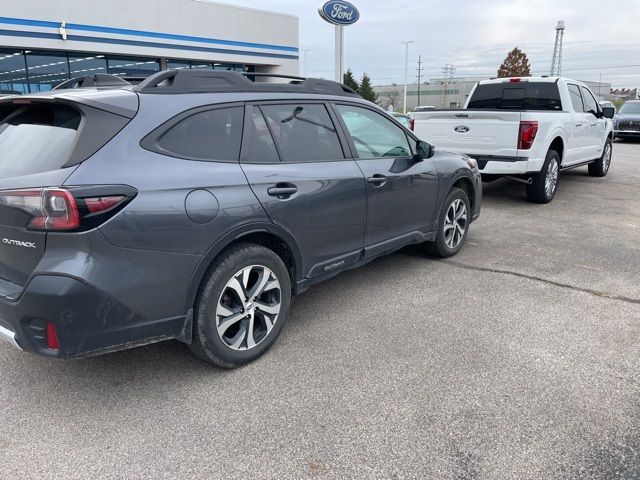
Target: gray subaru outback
<point>196,205</point>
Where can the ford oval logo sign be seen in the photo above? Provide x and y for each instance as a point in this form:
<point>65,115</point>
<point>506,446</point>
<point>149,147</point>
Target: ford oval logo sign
<point>339,13</point>
<point>461,129</point>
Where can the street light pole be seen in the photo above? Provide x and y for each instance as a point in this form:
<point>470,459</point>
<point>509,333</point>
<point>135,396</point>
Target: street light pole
<point>406,72</point>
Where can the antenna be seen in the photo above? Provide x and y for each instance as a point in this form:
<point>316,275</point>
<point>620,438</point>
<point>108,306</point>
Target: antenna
<point>556,62</point>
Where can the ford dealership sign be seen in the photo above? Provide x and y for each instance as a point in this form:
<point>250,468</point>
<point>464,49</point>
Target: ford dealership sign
<point>339,13</point>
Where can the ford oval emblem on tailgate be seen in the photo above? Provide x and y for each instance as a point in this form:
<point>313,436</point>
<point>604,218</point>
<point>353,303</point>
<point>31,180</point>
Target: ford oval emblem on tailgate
<point>461,129</point>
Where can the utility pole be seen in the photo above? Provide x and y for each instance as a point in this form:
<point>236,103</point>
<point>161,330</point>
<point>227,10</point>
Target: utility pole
<point>406,72</point>
<point>447,74</point>
<point>420,69</point>
<point>556,61</point>
<point>304,53</point>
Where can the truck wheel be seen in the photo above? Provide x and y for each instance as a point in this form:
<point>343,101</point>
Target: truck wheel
<point>543,187</point>
<point>241,307</point>
<point>600,167</point>
<point>453,225</point>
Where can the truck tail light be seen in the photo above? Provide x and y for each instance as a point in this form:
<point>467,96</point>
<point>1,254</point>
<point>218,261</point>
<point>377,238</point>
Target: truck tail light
<point>528,132</point>
<point>412,122</point>
<point>58,209</point>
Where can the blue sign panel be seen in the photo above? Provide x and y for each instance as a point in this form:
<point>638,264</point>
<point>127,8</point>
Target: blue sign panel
<point>339,13</point>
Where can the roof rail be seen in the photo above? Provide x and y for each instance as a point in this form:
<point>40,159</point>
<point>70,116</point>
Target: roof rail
<point>95,80</point>
<point>212,81</point>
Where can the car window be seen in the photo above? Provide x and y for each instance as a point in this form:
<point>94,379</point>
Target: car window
<point>590,104</point>
<point>211,135</point>
<point>576,98</point>
<point>374,135</point>
<point>37,139</point>
<point>303,133</point>
<point>403,120</point>
<point>516,96</point>
<point>262,148</point>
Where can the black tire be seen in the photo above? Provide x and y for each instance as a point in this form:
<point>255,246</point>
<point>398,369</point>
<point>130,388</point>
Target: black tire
<point>207,343</point>
<point>537,191</point>
<point>441,246</point>
<point>600,167</point>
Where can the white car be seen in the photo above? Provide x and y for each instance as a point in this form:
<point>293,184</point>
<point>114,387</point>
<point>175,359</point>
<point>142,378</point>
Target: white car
<point>527,129</point>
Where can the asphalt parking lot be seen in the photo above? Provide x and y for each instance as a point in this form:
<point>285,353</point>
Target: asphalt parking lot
<point>516,359</point>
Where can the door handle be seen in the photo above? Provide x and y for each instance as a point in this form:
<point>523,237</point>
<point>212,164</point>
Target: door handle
<point>578,124</point>
<point>594,124</point>
<point>282,190</point>
<point>377,180</point>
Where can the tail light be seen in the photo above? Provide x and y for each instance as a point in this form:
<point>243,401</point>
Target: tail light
<point>528,132</point>
<point>59,209</point>
<point>412,122</point>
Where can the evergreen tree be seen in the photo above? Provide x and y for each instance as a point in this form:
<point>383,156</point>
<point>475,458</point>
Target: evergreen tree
<point>515,65</point>
<point>366,89</point>
<point>349,80</point>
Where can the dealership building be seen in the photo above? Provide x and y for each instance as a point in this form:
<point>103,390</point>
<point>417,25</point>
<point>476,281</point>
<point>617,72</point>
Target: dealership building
<point>44,42</point>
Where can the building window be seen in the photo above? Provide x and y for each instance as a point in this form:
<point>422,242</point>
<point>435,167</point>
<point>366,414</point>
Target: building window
<point>178,64</point>
<point>133,67</point>
<point>82,64</point>
<point>13,77</point>
<point>46,70</point>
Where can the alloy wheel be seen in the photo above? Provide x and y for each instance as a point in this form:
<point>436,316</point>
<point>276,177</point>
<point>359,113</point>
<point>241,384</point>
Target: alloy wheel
<point>551,179</point>
<point>455,223</point>
<point>248,307</point>
<point>606,158</point>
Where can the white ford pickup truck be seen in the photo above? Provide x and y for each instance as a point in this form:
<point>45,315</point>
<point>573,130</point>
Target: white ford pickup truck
<point>527,129</point>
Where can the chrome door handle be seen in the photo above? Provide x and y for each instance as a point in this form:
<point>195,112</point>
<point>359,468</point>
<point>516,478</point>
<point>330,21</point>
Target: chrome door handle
<point>377,180</point>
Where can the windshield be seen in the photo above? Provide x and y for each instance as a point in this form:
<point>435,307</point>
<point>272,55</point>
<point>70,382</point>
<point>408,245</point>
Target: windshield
<point>403,120</point>
<point>630,108</point>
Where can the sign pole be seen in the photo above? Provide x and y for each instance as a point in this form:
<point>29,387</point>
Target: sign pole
<point>339,13</point>
<point>339,54</point>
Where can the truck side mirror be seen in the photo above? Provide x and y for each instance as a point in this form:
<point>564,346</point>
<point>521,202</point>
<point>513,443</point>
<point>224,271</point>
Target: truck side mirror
<point>608,112</point>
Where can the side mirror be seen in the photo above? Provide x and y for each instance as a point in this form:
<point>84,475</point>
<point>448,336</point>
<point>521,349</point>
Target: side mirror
<point>423,149</point>
<point>608,112</point>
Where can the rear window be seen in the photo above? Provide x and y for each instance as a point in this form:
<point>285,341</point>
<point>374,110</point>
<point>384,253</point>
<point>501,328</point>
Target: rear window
<point>516,96</point>
<point>37,138</point>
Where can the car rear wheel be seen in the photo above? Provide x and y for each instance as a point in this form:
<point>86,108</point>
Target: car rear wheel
<point>453,225</point>
<point>544,185</point>
<point>600,167</point>
<point>241,307</point>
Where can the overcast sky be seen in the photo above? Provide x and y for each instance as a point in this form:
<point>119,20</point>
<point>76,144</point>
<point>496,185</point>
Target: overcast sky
<point>601,37</point>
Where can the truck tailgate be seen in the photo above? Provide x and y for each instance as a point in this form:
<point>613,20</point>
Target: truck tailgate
<point>474,132</point>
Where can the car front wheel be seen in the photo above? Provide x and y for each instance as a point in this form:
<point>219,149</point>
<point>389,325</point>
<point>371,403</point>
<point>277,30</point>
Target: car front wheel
<point>453,225</point>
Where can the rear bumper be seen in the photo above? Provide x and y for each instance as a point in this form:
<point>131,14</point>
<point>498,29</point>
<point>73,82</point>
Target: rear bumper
<point>86,320</point>
<point>491,165</point>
